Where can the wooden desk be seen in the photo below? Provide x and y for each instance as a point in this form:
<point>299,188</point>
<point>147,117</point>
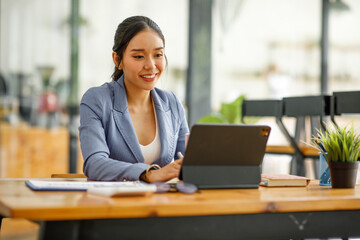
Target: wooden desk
<point>307,151</point>
<point>264,213</point>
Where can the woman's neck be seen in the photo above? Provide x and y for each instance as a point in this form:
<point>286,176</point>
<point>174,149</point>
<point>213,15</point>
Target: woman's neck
<point>139,100</point>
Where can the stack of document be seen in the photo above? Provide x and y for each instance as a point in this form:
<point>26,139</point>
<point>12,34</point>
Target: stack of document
<point>100,188</point>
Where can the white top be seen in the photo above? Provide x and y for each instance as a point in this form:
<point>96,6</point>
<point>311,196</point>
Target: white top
<point>151,152</point>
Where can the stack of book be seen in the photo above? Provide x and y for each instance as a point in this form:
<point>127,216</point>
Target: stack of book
<point>283,180</point>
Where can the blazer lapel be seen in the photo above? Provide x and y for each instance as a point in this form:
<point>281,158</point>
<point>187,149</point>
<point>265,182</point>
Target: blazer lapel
<point>165,124</point>
<point>123,120</point>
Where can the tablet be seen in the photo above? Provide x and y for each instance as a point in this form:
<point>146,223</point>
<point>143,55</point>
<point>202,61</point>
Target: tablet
<point>225,155</point>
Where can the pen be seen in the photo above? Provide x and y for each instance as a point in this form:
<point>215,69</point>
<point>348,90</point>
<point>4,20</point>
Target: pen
<point>320,144</point>
<point>179,154</point>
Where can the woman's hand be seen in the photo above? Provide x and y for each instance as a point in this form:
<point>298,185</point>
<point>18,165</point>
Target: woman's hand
<point>166,173</point>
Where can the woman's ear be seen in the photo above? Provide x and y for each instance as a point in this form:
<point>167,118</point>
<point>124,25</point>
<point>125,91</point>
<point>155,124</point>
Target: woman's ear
<point>116,60</point>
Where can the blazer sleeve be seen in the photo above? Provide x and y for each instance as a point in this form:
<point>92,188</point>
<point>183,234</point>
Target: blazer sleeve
<point>95,108</point>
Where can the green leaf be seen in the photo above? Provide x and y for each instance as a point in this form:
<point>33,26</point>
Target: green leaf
<point>213,118</point>
<point>232,111</point>
<point>345,152</point>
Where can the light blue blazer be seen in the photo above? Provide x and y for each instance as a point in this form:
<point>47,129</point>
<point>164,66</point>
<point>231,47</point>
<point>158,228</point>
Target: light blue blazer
<point>109,144</point>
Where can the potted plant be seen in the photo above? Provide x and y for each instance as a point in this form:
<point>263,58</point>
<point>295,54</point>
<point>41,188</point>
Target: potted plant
<point>341,146</point>
<point>229,113</point>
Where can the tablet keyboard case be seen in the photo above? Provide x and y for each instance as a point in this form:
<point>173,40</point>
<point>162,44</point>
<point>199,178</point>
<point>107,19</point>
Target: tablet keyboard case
<point>225,156</point>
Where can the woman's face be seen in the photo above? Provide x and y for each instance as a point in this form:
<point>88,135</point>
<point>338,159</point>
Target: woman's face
<point>143,60</point>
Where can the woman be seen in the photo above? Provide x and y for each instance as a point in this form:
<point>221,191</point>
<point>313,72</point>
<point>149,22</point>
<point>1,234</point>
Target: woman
<point>130,130</point>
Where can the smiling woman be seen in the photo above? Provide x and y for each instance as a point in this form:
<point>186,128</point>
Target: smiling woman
<point>129,129</point>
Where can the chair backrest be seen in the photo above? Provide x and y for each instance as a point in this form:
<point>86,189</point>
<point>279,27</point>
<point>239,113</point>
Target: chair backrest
<point>344,103</point>
<point>261,108</point>
<point>308,106</point>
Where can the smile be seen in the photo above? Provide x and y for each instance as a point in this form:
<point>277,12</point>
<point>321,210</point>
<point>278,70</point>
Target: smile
<point>148,76</point>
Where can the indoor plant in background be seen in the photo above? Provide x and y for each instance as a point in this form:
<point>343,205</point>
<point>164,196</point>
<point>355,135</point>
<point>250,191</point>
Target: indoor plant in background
<point>229,113</point>
<point>341,146</point>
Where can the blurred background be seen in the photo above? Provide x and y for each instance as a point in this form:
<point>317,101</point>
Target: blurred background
<point>52,51</point>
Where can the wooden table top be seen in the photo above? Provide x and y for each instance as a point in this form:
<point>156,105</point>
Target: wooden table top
<point>306,150</point>
<point>18,201</point>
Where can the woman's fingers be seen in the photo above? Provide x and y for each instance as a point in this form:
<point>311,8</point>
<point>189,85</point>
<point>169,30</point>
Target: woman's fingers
<point>166,173</point>
<point>179,161</point>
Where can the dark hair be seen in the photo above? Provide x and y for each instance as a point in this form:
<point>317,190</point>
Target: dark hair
<point>126,31</point>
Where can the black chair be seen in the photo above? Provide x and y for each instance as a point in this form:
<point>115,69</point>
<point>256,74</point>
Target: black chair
<point>344,103</point>
<point>313,107</point>
<point>261,108</point>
